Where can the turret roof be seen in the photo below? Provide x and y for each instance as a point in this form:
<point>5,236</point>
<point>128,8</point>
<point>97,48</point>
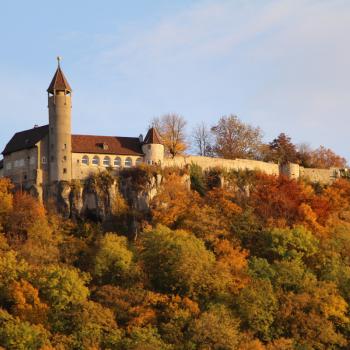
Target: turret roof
<point>59,82</point>
<point>153,136</point>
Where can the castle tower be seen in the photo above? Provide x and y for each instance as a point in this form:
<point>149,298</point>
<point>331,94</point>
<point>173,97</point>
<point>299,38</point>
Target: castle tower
<point>60,135</point>
<point>153,148</point>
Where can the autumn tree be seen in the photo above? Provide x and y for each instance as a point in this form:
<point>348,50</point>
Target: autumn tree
<point>325,158</point>
<point>215,329</point>
<point>6,200</point>
<point>282,150</point>
<point>235,139</point>
<point>202,140</point>
<point>172,130</point>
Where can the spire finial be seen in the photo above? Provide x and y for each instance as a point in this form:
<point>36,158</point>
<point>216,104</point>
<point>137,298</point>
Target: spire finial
<point>59,59</point>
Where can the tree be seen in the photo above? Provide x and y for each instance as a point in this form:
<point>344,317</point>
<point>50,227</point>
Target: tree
<point>113,260</point>
<point>282,150</point>
<point>18,335</point>
<point>235,139</point>
<point>313,317</point>
<point>325,158</point>
<point>177,262</point>
<point>304,155</point>
<point>171,205</point>
<point>62,286</point>
<point>6,199</point>
<point>257,305</point>
<point>172,130</point>
<point>26,302</point>
<point>202,140</point>
<point>146,338</point>
<point>215,329</point>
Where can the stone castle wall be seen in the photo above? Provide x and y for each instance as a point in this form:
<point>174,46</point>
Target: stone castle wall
<point>293,171</point>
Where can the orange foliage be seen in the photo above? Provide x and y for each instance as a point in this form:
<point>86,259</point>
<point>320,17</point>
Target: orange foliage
<point>6,199</point>
<point>171,205</point>
<point>277,199</point>
<point>27,304</point>
<point>232,262</point>
<point>26,211</point>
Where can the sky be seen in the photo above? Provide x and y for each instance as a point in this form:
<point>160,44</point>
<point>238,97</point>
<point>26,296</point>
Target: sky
<point>282,65</point>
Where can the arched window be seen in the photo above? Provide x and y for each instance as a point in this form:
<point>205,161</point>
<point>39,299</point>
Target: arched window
<point>128,162</point>
<point>96,160</point>
<point>106,161</point>
<point>85,160</point>
<point>138,161</point>
<point>117,162</point>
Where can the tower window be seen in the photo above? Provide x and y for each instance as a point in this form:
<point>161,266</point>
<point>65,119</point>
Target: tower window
<point>64,171</point>
<point>64,158</point>
<point>65,146</point>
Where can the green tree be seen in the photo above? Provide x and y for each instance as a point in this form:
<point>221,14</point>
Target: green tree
<point>215,329</point>
<point>257,305</point>
<point>146,338</point>
<point>17,335</point>
<point>113,260</point>
<point>62,286</point>
<point>291,243</point>
<point>177,261</point>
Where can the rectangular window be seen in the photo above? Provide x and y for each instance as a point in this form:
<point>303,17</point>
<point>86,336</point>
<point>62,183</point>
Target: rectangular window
<point>43,160</point>
<point>64,158</point>
<point>64,171</point>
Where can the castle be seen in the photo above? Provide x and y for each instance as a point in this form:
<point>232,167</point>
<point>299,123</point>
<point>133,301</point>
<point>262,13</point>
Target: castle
<point>36,158</point>
<point>40,157</point>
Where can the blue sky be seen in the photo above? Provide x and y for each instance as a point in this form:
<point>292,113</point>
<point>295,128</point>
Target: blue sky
<point>282,65</point>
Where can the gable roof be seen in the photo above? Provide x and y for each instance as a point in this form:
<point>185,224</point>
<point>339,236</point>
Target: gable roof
<point>26,139</point>
<point>59,82</point>
<point>80,143</point>
<point>106,145</point>
<point>153,136</point>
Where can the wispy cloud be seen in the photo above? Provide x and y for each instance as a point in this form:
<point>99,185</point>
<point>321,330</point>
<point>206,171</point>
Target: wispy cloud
<point>291,58</point>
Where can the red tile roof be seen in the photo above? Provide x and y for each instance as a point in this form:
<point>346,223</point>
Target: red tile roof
<point>153,136</point>
<point>106,145</point>
<point>59,82</point>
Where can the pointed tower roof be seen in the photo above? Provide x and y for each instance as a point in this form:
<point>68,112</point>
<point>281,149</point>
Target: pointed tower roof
<point>59,81</point>
<point>153,137</point>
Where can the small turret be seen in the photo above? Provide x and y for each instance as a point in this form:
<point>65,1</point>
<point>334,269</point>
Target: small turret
<point>60,135</point>
<point>153,148</point>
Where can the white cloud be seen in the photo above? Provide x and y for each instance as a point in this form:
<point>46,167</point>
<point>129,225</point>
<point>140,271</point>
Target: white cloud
<point>290,57</point>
